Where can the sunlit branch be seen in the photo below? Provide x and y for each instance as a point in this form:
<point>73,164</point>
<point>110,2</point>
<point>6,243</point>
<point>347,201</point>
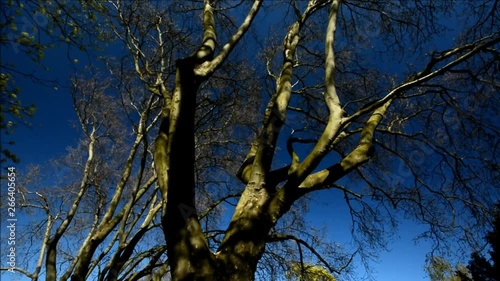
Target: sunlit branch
<point>20,270</point>
<point>206,50</point>
<point>346,190</point>
<point>233,41</point>
<point>93,264</point>
<point>51,257</point>
<point>331,99</point>
<point>358,156</point>
<point>261,153</point>
<point>46,237</point>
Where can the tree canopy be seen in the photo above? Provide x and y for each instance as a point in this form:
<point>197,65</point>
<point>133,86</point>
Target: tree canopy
<point>208,126</point>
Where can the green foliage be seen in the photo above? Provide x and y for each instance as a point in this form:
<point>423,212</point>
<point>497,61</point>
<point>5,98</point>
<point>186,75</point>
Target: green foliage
<point>29,29</point>
<point>12,111</point>
<point>439,269</point>
<point>308,272</point>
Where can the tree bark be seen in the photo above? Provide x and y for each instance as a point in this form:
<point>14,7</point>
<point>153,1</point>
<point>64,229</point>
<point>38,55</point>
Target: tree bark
<point>188,253</point>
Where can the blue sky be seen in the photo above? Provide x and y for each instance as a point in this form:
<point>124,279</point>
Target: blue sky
<point>405,258</point>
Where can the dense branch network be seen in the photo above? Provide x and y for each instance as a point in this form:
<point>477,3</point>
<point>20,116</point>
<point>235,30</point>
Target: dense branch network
<point>148,186</point>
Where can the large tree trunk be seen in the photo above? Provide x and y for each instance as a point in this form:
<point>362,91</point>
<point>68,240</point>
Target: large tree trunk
<point>188,253</point>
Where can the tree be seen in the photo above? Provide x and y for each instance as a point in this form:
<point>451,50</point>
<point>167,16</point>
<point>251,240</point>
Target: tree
<point>12,111</point>
<point>309,272</point>
<point>29,29</point>
<point>418,137</point>
<point>440,269</point>
<point>481,268</point>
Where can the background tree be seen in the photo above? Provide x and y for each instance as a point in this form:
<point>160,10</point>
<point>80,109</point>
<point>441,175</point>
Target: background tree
<point>309,272</point>
<point>29,29</point>
<point>440,269</point>
<point>411,138</point>
<point>488,269</point>
<point>479,268</point>
<point>11,112</point>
